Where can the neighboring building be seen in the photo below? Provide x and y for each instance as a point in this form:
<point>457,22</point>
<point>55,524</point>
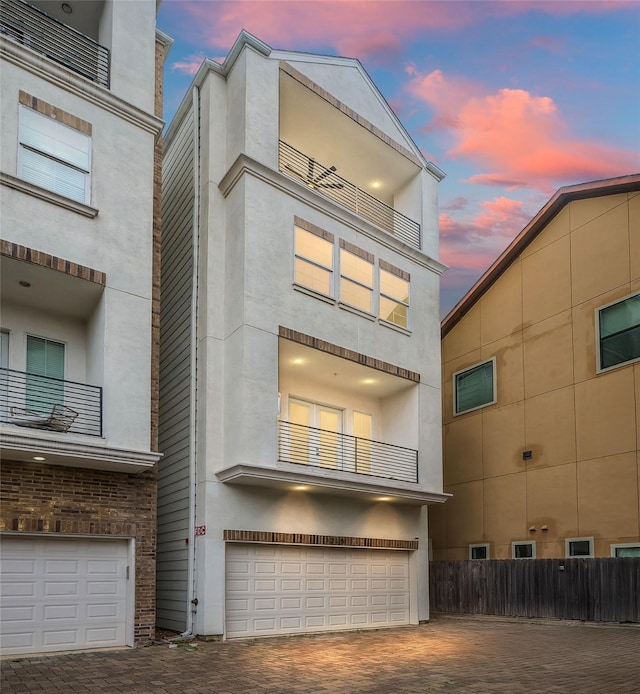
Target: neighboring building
<point>81,93</point>
<point>541,384</point>
<point>300,356</point>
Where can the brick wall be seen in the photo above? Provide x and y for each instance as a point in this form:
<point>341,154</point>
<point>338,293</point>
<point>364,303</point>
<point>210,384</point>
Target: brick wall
<point>50,499</point>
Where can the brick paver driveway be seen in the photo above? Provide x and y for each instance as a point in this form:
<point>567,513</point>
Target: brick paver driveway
<point>446,655</point>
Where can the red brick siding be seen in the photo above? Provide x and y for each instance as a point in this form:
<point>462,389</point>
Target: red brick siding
<point>50,499</point>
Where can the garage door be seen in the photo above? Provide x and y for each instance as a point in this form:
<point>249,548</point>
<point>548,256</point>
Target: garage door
<point>282,589</point>
<point>61,594</point>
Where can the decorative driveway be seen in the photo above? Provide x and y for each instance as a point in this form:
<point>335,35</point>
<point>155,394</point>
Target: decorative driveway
<point>446,655</point>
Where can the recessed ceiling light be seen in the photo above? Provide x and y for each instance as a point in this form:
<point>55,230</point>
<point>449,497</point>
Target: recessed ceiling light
<point>39,458</point>
<point>383,498</point>
<point>297,360</point>
<point>24,283</point>
<point>66,8</point>
<point>369,381</point>
<point>301,488</point>
<point>375,184</point>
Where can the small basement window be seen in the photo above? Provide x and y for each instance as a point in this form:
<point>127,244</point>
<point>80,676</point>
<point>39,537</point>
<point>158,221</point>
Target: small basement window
<point>479,551</point>
<point>578,547</point>
<point>625,550</point>
<point>523,550</point>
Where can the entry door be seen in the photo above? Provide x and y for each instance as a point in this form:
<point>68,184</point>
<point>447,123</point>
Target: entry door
<point>315,434</point>
<point>4,378</point>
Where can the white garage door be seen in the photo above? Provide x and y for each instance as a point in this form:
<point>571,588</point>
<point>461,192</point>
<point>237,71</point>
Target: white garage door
<point>60,594</point>
<point>282,589</point>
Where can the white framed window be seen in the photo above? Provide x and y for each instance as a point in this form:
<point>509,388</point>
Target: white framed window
<point>313,262</point>
<point>618,333</point>
<point>578,547</point>
<point>356,280</point>
<point>474,387</point>
<point>626,549</point>
<point>523,550</point>
<point>394,297</point>
<point>480,551</point>
<point>54,156</point>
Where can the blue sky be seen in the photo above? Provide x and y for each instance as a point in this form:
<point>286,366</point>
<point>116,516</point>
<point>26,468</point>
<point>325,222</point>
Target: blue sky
<point>512,99</point>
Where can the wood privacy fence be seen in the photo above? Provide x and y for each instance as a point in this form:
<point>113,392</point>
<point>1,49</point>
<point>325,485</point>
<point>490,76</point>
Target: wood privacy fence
<point>606,590</point>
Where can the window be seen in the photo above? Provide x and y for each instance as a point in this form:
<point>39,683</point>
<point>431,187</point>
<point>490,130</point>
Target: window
<point>45,362</point>
<point>313,261</point>
<point>618,331</point>
<point>625,550</point>
<point>54,156</point>
<point>362,430</point>
<point>479,551</point>
<point>394,298</point>
<point>578,547</point>
<point>474,387</point>
<point>523,550</point>
<point>356,280</point>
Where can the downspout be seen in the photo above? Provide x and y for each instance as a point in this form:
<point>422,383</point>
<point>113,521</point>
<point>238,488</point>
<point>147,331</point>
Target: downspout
<point>193,410</point>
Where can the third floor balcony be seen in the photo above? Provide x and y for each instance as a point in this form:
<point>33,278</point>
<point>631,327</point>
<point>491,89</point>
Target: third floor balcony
<point>66,40</point>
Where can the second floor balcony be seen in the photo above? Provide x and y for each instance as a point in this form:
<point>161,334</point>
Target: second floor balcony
<point>49,404</point>
<point>34,28</point>
<point>333,450</point>
<point>324,179</point>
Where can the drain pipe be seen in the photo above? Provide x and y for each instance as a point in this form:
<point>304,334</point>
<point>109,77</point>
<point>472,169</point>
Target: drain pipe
<point>192,601</point>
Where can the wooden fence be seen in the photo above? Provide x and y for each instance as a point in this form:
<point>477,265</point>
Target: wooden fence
<point>606,590</point>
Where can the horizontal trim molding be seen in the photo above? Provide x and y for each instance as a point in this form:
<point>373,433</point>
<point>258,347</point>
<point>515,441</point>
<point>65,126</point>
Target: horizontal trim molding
<point>351,355</point>
<point>8,249</point>
<point>262,536</point>
<point>47,195</point>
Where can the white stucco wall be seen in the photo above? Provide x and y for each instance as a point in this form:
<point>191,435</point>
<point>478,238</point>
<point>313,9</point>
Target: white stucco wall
<point>116,344</point>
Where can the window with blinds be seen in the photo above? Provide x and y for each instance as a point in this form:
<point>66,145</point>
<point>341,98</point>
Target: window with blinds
<point>45,374</point>
<point>54,156</point>
<point>474,387</point>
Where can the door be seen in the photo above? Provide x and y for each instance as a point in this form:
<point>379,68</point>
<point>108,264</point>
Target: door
<point>45,374</point>
<point>288,589</point>
<point>315,437</point>
<point>362,430</point>
<point>60,594</point>
<point>4,376</point>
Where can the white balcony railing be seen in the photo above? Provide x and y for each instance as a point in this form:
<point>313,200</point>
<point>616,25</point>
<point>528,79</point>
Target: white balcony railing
<point>326,181</point>
<point>61,43</point>
<point>305,445</point>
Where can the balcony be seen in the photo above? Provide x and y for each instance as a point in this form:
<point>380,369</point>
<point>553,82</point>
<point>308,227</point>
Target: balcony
<point>326,181</point>
<point>305,445</point>
<point>35,29</point>
<point>50,404</point>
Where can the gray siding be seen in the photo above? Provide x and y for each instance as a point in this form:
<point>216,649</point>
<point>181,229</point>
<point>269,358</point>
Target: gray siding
<point>175,379</point>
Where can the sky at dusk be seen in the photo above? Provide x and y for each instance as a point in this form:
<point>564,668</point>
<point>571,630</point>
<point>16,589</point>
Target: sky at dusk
<point>511,99</point>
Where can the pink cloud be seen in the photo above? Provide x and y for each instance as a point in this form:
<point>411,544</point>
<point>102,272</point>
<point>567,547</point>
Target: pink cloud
<point>190,65</point>
<point>514,138</point>
<point>355,28</point>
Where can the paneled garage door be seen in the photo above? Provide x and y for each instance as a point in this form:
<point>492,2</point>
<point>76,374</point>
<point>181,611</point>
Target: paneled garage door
<point>283,589</point>
<point>61,594</point>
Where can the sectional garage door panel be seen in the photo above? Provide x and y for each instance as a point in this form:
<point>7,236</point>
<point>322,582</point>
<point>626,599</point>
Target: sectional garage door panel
<point>62,594</point>
<point>281,589</point>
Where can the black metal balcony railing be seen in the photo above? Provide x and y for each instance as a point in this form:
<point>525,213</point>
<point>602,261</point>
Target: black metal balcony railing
<point>61,43</point>
<point>305,445</point>
<point>51,404</point>
<point>326,181</point>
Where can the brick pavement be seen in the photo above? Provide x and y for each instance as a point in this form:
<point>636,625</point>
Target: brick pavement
<point>446,655</point>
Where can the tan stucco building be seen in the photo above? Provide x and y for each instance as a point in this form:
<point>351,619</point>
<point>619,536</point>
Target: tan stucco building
<point>541,389</point>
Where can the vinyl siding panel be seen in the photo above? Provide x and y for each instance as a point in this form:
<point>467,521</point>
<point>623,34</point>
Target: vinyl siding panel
<point>175,379</point>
